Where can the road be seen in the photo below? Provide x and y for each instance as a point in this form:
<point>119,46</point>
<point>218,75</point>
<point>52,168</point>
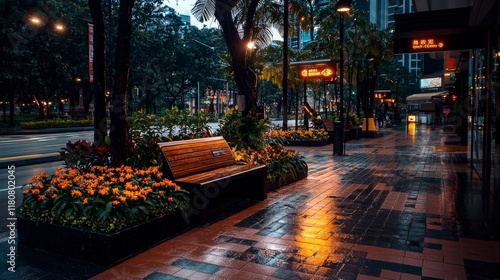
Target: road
<point>34,144</point>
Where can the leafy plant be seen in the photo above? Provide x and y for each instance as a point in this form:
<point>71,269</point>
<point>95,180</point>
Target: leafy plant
<point>279,161</point>
<point>353,120</point>
<point>298,135</point>
<point>101,199</point>
<point>243,132</point>
<point>83,154</point>
<point>146,130</point>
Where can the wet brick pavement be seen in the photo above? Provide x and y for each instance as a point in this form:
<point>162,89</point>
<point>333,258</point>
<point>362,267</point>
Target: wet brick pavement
<point>395,207</point>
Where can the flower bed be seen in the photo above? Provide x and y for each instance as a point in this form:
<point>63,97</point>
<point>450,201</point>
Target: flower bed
<point>103,199</point>
<point>101,215</point>
<point>313,135</point>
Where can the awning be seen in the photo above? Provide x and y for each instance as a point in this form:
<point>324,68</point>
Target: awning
<point>426,96</point>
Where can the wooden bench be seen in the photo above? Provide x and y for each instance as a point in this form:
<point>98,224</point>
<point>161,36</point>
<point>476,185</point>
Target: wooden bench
<point>207,169</point>
<point>328,126</point>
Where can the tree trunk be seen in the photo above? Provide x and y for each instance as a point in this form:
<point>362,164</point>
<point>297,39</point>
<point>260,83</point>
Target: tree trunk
<point>99,90</point>
<point>119,129</point>
<point>245,77</point>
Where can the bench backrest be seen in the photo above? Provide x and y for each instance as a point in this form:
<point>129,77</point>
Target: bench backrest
<point>187,157</point>
<point>328,124</point>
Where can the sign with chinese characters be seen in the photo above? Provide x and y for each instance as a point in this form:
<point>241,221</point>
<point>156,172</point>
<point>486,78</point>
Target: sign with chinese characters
<point>427,44</point>
<point>91,51</point>
<point>317,73</point>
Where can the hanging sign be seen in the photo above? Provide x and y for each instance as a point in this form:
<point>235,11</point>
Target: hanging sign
<point>427,44</point>
<point>317,73</point>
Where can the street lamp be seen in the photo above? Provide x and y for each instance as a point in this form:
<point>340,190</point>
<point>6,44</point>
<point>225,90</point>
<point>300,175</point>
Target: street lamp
<point>343,6</point>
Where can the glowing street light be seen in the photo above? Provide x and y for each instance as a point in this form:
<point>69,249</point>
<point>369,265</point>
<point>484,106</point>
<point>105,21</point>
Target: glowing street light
<point>343,6</point>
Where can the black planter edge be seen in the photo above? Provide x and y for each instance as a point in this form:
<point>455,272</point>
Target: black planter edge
<point>96,247</point>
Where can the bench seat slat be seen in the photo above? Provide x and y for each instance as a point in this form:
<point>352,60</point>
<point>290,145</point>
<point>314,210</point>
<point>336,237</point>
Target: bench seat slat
<point>219,174</point>
<point>194,156</point>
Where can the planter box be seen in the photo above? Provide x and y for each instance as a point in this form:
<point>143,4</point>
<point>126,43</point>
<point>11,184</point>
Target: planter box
<point>270,186</point>
<point>347,134</point>
<point>96,247</point>
<point>307,143</point>
<point>355,132</point>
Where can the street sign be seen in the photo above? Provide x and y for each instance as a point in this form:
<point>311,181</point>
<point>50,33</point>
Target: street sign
<point>317,73</point>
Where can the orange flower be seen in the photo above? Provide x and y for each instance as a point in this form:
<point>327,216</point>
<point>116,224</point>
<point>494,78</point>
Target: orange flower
<point>115,191</point>
<point>85,201</point>
<point>41,197</point>
<point>54,196</point>
<point>76,193</point>
<point>116,202</point>
<point>104,191</point>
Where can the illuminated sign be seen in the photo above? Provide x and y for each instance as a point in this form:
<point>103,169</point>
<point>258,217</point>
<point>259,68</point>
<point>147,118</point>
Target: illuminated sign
<point>317,73</point>
<point>427,44</point>
<point>381,94</point>
<point>412,118</point>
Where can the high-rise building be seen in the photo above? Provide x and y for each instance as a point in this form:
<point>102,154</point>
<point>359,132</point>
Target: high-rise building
<point>382,14</point>
<point>186,19</point>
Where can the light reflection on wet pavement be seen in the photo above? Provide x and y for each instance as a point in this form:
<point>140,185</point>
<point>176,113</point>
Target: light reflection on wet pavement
<point>392,208</point>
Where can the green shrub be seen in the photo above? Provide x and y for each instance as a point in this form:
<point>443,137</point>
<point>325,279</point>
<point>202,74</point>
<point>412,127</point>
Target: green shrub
<point>57,123</point>
<point>243,132</point>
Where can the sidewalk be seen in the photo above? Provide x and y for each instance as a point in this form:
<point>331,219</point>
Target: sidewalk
<point>396,207</point>
<point>402,206</point>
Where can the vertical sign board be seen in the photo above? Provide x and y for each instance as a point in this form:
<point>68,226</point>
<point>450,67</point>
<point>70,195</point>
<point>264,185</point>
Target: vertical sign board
<point>91,52</point>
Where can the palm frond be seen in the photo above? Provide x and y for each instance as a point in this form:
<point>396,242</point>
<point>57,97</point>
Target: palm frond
<point>203,10</point>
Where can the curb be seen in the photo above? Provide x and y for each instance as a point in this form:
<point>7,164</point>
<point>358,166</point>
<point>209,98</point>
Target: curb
<point>46,130</point>
<point>29,161</point>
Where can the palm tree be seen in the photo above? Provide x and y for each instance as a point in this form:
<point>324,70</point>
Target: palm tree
<point>242,22</point>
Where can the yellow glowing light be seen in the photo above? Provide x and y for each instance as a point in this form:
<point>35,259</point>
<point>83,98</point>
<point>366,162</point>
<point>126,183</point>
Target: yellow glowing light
<point>251,45</point>
<point>59,27</point>
<point>35,20</point>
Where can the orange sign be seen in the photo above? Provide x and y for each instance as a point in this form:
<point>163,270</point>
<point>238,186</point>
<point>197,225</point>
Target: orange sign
<point>317,73</point>
<point>427,44</point>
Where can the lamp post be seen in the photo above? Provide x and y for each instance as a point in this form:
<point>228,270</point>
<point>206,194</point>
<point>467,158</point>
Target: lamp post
<point>343,6</point>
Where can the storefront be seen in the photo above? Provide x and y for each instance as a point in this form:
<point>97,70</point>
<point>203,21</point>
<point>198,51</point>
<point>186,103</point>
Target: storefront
<point>472,34</point>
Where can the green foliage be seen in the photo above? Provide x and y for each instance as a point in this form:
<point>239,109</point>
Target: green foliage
<point>280,161</point>
<point>83,154</point>
<point>243,132</point>
<point>353,120</point>
<point>146,130</point>
<point>57,123</point>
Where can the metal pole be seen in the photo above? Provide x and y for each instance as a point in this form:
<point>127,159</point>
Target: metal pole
<point>306,120</point>
<point>341,136</point>
<point>285,66</point>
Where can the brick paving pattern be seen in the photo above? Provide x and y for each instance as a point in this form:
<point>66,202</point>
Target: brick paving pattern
<point>402,206</point>
<point>396,207</point>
